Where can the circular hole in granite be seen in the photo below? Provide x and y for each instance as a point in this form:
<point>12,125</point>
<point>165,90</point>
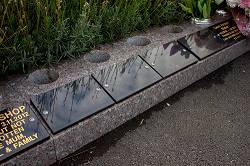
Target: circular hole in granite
<point>43,76</point>
<point>138,41</point>
<point>97,57</point>
<point>175,29</point>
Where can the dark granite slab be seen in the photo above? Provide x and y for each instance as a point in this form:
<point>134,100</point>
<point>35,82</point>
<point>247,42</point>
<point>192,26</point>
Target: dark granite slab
<point>123,80</point>
<point>169,58</point>
<point>211,40</point>
<point>20,129</point>
<point>66,105</point>
<point>228,31</point>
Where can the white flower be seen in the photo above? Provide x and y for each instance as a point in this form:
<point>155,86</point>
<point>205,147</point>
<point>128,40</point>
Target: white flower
<point>233,3</point>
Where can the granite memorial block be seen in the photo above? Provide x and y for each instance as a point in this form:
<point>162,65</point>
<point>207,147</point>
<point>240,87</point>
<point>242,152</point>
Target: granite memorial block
<point>124,80</point>
<point>213,39</point>
<point>227,31</point>
<point>20,129</point>
<point>67,105</point>
<point>169,58</point>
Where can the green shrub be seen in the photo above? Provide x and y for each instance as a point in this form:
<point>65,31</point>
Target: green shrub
<point>34,33</point>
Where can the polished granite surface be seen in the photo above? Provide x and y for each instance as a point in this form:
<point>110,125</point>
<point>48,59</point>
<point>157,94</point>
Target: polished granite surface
<point>66,105</point>
<point>209,41</point>
<point>228,31</point>
<point>169,58</point>
<point>20,129</point>
<point>123,80</point>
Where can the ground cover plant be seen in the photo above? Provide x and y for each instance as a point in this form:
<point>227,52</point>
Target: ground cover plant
<point>34,33</point>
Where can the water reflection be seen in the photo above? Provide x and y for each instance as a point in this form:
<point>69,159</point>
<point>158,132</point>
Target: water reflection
<point>63,106</point>
<point>123,80</point>
<point>169,58</point>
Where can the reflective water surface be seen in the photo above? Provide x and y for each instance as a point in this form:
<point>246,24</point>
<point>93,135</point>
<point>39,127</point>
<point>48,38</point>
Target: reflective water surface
<point>19,129</point>
<point>71,103</point>
<point>123,80</point>
<point>169,58</point>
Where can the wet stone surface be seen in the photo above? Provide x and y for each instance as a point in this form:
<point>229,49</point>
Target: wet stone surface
<point>211,40</point>
<point>19,130</point>
<point>169,58</point>
<point>44,76</point>
<point>97,57</point>
<point>124,80</point>
<point>66,105</point>
<point>138,41</point>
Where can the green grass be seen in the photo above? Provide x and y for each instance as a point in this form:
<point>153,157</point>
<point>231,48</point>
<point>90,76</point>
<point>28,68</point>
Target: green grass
<point>37,33</point>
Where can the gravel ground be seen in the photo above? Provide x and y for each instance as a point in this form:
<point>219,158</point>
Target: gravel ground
<point>207,123</point>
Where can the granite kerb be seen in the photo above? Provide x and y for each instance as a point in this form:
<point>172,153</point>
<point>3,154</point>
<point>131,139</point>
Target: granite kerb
<point>68,141</point>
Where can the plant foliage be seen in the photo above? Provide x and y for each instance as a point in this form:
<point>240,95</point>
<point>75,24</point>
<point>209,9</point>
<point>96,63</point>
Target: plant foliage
<point>198,8</point>
<point>43,32</point>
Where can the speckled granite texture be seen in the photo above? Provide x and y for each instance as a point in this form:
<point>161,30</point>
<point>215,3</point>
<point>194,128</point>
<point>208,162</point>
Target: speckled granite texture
<point>43,154</point>
<point>119,51</point>
<point>87,131</point>
<point>8,96</point>
<point>75,137</point>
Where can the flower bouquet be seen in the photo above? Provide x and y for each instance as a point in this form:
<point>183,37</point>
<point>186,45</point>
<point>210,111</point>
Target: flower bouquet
<point>241,13</point>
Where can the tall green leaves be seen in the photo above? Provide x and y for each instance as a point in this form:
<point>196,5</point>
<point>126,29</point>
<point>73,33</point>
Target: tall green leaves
<point>197,8</point>
<point>43,32</point>
<point>188,6</point>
